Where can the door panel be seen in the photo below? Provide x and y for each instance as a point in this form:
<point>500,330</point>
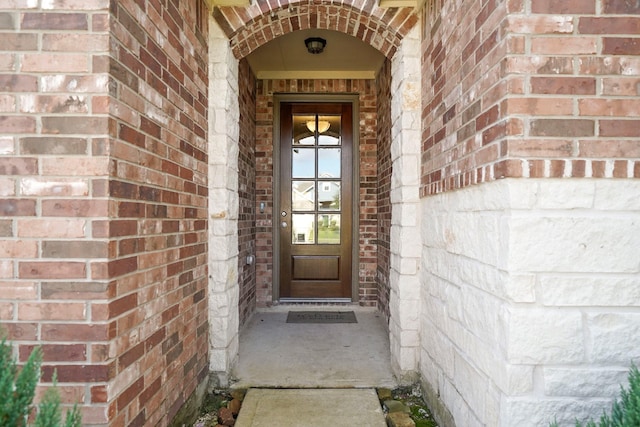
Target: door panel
<point>315,200</point>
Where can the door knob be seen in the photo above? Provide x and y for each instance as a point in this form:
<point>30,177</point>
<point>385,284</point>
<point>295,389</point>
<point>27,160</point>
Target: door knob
<point>283,224</point>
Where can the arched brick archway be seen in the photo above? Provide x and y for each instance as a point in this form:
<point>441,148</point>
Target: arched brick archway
<point>252,27</point>
<point>236,33</point>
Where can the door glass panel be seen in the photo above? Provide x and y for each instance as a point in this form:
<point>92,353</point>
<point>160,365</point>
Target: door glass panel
<point>329,229</point>
<point>330,135</point>
<point>329,195</point>
<point>302,134</point>
<point>303,163</point>
<point>303,229</point>
<point>329,163</point>
<point>303,195</point>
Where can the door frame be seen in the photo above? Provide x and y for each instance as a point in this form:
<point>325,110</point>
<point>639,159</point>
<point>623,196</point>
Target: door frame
<point>278,99</point>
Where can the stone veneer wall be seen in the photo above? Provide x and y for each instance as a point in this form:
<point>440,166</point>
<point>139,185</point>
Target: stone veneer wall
<point>105,188</point>
<point>529,292</point>
<point>368,177</point>
<point>539,318</point>
<point>247,192</point>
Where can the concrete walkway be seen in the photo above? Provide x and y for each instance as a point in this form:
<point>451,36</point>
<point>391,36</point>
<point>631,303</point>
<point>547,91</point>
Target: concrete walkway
<point>307,375</point>
<point>311,408</point>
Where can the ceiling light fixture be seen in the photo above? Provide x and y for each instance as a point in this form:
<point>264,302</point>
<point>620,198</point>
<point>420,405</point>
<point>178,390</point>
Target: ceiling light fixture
<point>323,126</point>
<point>315,45</point>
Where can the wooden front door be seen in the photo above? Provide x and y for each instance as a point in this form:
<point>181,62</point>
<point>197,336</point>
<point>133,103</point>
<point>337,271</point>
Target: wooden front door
<point>316,199</point>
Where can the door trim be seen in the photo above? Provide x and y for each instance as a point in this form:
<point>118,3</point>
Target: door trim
<point>355,182</point>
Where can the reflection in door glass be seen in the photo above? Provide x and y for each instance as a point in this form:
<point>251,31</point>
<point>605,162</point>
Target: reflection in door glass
<point>329,229</point>
<point>331,135</point>
<point>303,229</point>
<point>303,163</point>
<point>303,195</point>
<point>329,163</point>
<point>329,195</point>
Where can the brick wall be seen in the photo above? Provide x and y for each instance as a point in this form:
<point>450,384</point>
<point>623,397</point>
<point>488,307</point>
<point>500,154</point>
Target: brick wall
<point>54,143</point>
<point>104,190</point>
<point>529,89</point>
<point>368,177</point>
<point>247,191</point>
<point>383,84</point>
<point>158,208</point>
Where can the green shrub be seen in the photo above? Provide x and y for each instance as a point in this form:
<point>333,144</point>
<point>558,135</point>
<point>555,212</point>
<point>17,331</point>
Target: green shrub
<point>625,411</point>
<point>17,390</point>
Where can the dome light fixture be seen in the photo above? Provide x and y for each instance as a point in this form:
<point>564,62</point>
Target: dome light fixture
<point>315,45</point>
<point>323,126</point>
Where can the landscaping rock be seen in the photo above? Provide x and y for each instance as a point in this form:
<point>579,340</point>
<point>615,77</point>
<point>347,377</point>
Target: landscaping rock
<point>384,394</point>
<point>400,419</point>
<point>234,407</point>
<point>396,406</point>
<point>225,417</point>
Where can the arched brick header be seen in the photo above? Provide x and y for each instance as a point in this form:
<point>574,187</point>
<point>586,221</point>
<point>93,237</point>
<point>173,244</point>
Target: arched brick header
<point>251,27</point>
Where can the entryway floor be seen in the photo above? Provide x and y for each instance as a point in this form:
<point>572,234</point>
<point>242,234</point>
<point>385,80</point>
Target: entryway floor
<point>276,354</point>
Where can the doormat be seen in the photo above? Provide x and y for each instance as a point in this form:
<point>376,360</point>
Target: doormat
<point>321,317</point>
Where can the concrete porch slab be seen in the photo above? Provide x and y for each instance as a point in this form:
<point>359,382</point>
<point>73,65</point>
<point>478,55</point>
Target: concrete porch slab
<point>274,353</point>
<point>311,408</point>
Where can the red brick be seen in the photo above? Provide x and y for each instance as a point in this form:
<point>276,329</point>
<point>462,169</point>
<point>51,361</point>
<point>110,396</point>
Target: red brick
<point>74,249</point>
<point>128,395</point>
<point>122,305</point>
<point>600,25</point>
<point>609,107</point>
<point>53,145</point>
<point>17,124</point>
<point>54,21</point>
<point>620,169</point>
<point>74,208</point>
<point>537,24</point>
<point>130,356</point>
<point>55,63</point>
<point>14,290</point>
<point>51,270</point>
<point>610,149</point>
<point>622,7</point>
<point>623,128</point>
<point>18,83</point>
<point>74,125</point>
<point>57,352</point>
<point>564,85</point>
<point>540,148</point>
<point>69,42</point>
<point>52,228</point>
<point>539,106</point>
<point>18,249</point>
<point>621,46</point>
<point>564,45</point>
<point>76,290</point>
<point>74,332</point>
<point>565,7</point>
<point>17,207</point>
<point>19,42</point>
<point>77,373</point>
<point>21,331</point>
<point>562,128</point>
<point>18,166</point>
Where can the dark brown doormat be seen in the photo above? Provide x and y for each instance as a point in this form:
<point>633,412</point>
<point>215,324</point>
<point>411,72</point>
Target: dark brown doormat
<point>321,317</point>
